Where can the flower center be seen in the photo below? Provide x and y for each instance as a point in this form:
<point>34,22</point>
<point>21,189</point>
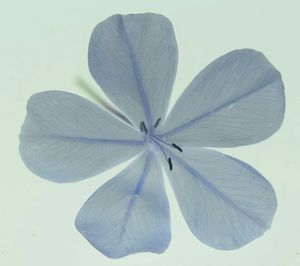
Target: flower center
<point>159,142</point>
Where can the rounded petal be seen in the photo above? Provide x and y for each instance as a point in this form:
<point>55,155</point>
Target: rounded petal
<point>225,202</point>
<point>134,60</point>
<point>66,138</point>
<point>130,213</point>
<point>236,100</point>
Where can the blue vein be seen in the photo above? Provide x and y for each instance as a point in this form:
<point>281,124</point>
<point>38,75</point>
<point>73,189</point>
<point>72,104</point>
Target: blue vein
<point>136,193</point>
<point>36,116</point>
<point>219,193</point>
<point>161,149</point>
<point>88,140</point>
<point>205,115</point>
<point>138,76</point>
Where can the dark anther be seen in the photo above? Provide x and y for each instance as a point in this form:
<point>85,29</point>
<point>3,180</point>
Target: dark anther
<point>157,122</point>
<point>170,164</point>
<point>143,127</point>
<point>176,147</point>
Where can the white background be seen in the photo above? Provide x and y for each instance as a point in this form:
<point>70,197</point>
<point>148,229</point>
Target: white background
<point>44,46</point>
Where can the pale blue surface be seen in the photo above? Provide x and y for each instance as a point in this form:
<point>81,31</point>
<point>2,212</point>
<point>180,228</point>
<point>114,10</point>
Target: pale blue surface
<point>66,138</point>
<point>130,213</point>
<point>225,202</point>
<point>134,60</point>
<point>236,100</point>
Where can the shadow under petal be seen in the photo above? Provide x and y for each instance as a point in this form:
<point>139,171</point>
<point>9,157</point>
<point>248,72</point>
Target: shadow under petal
<point>99,99</point>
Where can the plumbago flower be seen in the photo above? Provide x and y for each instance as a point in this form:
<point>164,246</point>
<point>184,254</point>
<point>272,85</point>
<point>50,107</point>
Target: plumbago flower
<point>236,100</point>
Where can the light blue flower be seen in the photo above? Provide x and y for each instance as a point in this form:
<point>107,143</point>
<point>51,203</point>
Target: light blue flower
<point>236,100</point>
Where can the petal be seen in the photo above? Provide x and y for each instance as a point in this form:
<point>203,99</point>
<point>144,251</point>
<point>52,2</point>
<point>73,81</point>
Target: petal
<point>225,202</point>
<point>134,60</point>
<point>130,213</point>
<point>66,138</point>
<point>236,100</point>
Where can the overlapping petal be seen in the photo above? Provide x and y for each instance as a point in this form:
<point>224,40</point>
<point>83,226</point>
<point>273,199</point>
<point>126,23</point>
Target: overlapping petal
<point>130,213</point>
<point>236,100</point>
<point>134,60</point>
<point>225,202</point>
<point>66,138</point>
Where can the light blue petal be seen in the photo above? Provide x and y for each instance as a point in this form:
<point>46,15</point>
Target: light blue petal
<point>236,100</point>
<point>134,60</point>
<point>225,202</point>
<point>66,138</point>
<point>130,213</point>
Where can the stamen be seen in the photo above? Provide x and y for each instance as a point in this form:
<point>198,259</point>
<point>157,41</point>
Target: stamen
<point>143,127</point>
<point>170,163</point>
<point>157,122</point>
<point>173,145</point>
<point>176,147</point>
<point>168,159</point>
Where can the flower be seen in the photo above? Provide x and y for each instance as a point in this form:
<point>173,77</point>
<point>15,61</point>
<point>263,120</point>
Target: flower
<point>236,100</point>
